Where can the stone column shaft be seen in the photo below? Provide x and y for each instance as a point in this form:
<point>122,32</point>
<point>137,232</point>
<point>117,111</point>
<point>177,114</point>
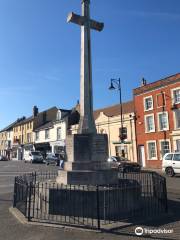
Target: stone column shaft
<point>86,124</point>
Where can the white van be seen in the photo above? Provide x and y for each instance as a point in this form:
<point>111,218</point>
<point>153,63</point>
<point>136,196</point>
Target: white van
<point>33,157</point>
<point>171,163</point>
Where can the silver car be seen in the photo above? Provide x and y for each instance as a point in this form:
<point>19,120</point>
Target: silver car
<point>51,159</point>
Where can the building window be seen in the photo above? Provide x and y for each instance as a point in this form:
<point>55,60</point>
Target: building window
<point>149,123</point>
<point>123,133</point>
<point>121,151</point>
<point>46,133</point>
<point>152,151</point>
<point>177,118</point>
<point>58,116</point>
<point>148,103</point>
<point>163,121</point>
<point>176,95</point>
<point>28,137</point>
<point>58,133</point>
<point>37,136</point>
<point>165,147</point>
<point>178,145</point>
<point>161,100</point>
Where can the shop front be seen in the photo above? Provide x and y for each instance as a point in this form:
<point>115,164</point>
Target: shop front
<point>44,148</point>
<point>58,147</point>
<point>16,152</point>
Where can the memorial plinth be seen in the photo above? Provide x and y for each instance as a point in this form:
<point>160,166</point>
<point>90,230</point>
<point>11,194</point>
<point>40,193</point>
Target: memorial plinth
<point>87,151</point>
<point>87,161</point>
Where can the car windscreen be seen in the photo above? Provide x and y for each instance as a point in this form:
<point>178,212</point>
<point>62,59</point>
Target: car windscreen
<point>36,153</point>
<point>117,159</point>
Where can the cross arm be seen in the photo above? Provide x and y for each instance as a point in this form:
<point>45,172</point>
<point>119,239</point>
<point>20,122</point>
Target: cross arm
<point>80,20</point>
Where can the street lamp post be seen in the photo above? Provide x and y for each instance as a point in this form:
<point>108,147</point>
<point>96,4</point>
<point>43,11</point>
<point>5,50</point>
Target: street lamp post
<point>116,85</point>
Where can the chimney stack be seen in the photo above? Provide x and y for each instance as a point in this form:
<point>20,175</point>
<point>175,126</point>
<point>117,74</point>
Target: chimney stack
<point>35,111</point>
<point>143,82</point>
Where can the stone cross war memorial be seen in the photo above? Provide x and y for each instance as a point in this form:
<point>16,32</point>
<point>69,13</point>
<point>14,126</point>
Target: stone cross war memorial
<point>87,192</point>
<point>87,151</point>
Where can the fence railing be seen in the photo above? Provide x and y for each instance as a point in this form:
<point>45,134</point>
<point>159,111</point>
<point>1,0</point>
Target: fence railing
<point>137,195</point>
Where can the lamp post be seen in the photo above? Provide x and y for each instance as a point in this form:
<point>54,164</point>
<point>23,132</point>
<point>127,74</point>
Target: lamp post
<point>116,85</point>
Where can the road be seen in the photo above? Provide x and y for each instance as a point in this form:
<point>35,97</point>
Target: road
<point>11,228</point>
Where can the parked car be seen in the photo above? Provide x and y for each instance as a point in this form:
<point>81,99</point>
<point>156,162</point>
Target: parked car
<point>51,159</point>
<point>3,158</point>
<point>123,164</point>
<point>33,157</point>
<point>171,163</point>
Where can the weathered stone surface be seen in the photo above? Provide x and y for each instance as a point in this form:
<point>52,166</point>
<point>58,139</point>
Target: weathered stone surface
<point>86,149</point>
<point>87,161</point>
<point>102,177</point>
<point>87,152</point>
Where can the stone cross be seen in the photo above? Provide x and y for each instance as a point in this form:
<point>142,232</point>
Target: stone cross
<point>86,124</point>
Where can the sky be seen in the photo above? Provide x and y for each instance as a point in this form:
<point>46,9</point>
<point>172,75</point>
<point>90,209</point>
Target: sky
<point>40,51</point>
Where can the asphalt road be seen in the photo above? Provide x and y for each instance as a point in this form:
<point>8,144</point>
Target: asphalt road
<point>11,228</point>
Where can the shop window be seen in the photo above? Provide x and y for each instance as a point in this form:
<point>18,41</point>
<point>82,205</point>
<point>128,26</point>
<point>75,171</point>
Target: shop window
<point>121,151</point>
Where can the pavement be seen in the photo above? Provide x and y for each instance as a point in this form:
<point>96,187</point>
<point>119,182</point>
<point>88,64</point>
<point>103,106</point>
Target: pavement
<point>12,229</point>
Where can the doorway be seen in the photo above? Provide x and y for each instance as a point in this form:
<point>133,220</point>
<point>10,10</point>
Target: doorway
<point>141,155</point>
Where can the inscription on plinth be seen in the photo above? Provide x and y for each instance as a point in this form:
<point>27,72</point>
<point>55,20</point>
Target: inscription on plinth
<point>87,148</point>
<point>99,144</point>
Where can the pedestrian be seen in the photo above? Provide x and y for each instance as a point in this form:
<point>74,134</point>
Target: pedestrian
<point>61,162</point>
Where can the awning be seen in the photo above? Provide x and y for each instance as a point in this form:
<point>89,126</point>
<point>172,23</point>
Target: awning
<point>58,143</point>
<point>42,146</point>
<point>122,142</point>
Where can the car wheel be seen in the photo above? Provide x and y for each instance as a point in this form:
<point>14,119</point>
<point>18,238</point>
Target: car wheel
<point>170,171</point>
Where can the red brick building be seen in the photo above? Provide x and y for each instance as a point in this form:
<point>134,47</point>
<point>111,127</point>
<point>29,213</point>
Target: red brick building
<point>157,111</point>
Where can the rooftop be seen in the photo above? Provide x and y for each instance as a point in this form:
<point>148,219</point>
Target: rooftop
<point>10,126</point>
<point>127,107</point>
<point>45,126</point>
<point>157,84</point>
<point>32,117</point>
